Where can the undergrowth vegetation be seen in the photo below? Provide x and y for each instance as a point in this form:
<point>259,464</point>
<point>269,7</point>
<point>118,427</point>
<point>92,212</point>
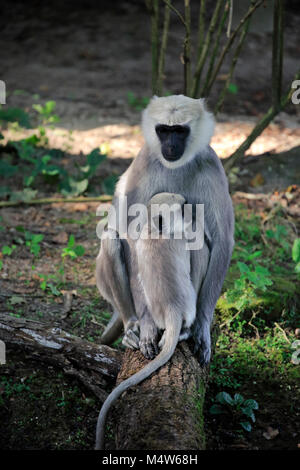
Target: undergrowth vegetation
<point>34,164</point>
<point>257,314</point>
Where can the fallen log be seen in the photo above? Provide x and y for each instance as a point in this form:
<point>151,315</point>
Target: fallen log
<point>165,412</point>
<point>94,365</point>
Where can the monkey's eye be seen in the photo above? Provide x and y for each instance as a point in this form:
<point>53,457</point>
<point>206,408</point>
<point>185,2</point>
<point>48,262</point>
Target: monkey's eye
<point>182,130</point>
<point>162,130</point>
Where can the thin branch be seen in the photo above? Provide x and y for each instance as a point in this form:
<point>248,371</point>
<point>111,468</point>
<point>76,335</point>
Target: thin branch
<point>205,49</point>
<point>232,66</point>
<point>203,91</point>
<point>259,128</point>
<point>154,42</point>
<point>282,330</point>
<point>227,46</point>
<point>201,25</point>
<point>187,48</point>
<point>277,52</point>
<point>52,200</point>
<point>161,62</point>
<point>230,18</point>
<point>176,11</point>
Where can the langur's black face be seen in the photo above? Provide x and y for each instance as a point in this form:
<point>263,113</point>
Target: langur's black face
<point>173,140</point>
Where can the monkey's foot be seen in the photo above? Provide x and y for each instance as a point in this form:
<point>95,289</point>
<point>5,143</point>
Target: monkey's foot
<point>131,339</point>
<point>201,335</point>
<point>149,347</point>
<point>148,337</point>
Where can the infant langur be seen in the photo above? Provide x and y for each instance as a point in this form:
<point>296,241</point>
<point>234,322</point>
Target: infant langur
<point>164,273</point>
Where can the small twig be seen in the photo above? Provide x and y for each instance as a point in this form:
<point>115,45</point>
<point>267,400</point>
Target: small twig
<point>175,11</point>
<point>154,10</point>
<point>54,200</point>
<point>277,53</point>
<point>231,39</point>
<point>253,326</point>
<point>281,329</point>
<point>251,196</point>
<point>227,322</point>
<point>201,25</point>
<point>203,91</point>
<point>162,54</point>
<point>230,18</point>
<point>187,48</point>
<point>204,51</point>
<point>233,64</point>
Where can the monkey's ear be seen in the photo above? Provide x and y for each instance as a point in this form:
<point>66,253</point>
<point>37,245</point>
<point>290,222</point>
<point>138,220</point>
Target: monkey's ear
<point>201,102</point>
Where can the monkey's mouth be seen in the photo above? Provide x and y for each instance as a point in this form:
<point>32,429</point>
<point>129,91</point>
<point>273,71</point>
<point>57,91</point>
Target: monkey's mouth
<point>171,156</point>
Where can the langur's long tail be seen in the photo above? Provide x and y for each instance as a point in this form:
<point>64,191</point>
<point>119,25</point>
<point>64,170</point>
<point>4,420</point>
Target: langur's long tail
<point>173,327</point>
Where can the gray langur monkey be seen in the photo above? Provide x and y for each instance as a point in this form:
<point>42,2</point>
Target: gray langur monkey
<point>156,284</point>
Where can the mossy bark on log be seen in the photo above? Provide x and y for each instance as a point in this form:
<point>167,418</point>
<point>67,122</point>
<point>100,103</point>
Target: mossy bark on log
<point>165,412</point>
<point>96,366</point>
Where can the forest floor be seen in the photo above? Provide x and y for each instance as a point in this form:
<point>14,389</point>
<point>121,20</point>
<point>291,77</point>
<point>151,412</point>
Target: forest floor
<point>40,408</point>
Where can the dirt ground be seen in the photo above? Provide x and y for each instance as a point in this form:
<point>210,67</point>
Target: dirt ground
<point>71,52</point>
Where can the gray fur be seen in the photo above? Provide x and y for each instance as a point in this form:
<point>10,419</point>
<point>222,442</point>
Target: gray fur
<point>156,294</point>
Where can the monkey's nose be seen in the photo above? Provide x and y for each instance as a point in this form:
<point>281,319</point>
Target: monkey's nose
<point>171,150</point>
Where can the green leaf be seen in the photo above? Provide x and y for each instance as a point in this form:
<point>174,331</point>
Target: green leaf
<point>26,195</point>
<point>224,398</point>
<point>296,250</point>
<point>251,404</point>
<point>7,250</point>
<point>246,425</point>
<point>254,255</point>
<point>243,267</point>
<point>79,250</point>
<point>238,399</point>
<point>232,88</point>
<point>270,233</point>
<point>71,241</point>
<point>15,115</point>
<point>78,187</point>
<point>249,413</point>
<point>109,184</point>
<point>53,289</point>
<point>261,270</point>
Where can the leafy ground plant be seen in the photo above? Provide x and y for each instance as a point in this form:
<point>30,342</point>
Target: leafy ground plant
<point>296,254</point>
<point>39,164</point>
<point>238,407</point>
<point>72,250</point>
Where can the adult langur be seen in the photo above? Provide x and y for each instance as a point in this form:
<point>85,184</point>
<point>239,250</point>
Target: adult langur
<point>160,291</point>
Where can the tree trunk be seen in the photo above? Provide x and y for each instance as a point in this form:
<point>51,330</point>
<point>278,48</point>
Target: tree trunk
<point>94,365</point>
<point>166,410</point>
